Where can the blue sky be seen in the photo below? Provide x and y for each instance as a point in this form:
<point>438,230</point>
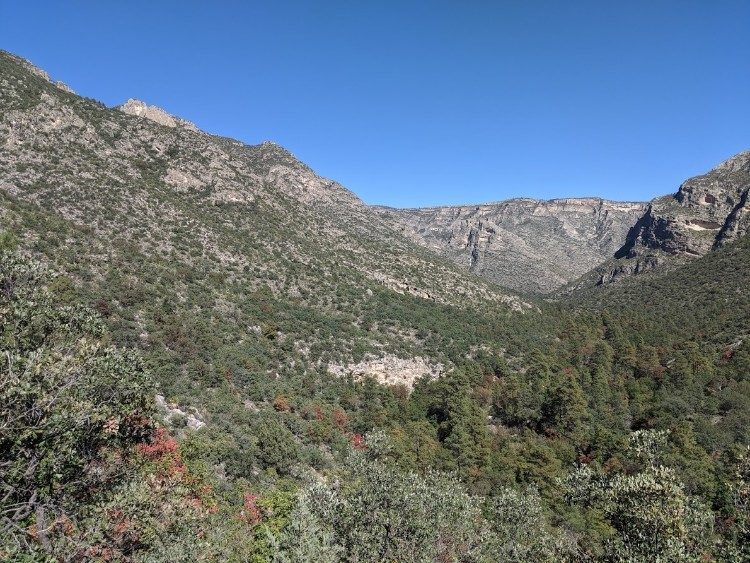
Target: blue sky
<point>423,103</point>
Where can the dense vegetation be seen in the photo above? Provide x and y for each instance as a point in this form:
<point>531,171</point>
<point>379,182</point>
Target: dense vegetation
<point>610,425</point>
<point>624,442</point>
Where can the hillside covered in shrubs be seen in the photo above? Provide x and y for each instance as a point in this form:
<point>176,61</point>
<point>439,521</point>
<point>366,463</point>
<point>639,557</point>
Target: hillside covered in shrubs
<point>193,337</point>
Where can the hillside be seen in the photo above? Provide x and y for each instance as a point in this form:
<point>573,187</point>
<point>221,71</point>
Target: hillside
<point>134,209</point>
<point>526,245</point>
<point>706,213</point>
<point>211,353</point>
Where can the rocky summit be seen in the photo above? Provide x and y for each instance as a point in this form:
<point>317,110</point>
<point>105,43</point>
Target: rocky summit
<point>141,109</point>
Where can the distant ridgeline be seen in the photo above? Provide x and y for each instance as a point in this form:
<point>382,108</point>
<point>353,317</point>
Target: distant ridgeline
<point>534,246</point>
<point>209,352</point>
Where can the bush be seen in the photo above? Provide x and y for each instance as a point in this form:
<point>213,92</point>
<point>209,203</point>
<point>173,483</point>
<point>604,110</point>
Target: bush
<point>65,397</point>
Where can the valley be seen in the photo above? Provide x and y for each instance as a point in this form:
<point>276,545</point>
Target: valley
<point>248,363</point>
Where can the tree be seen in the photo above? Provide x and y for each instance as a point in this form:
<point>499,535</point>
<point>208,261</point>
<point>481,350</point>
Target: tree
<point>565,408</point>
<point>65,396</point>
<point>466,435</point>
<point>652,516</point>
<point>738,517</point>
<point>277,447</point>
<point>379,513</point>
<point>520,529</point>
<point>519,398</point>
<point>306,538</point>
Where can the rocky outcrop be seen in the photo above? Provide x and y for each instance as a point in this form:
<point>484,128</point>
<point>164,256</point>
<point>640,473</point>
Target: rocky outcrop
<point>707,212</point>
<point>390,370</point>
<point>622,269</point>
<point>40,73</point>
<point>173,414</point>
<point>528,245</point>
<point>156,114</point>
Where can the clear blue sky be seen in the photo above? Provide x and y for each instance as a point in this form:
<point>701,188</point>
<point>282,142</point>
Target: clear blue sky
<point>421,103</point>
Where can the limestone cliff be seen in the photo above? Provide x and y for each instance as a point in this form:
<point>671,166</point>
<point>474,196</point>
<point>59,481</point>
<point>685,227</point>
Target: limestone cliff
<point>527,245</point>
<point>707,212</point>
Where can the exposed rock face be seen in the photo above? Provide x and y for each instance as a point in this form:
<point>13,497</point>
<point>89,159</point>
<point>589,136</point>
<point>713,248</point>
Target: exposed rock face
<point>706,212</point>
<point>524,244</point>
<point>141,109</point>
<point>390,370</point>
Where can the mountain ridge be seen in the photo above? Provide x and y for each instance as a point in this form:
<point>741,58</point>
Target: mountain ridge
<point>139,207</point>
<point>705,213</point>
<point>287,361</point>
<point>519,199</point>
<point>527,245</point>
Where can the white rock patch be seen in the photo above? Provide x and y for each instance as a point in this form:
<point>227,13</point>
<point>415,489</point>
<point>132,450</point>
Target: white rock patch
<point>172,410</point>
<point>390,369</point>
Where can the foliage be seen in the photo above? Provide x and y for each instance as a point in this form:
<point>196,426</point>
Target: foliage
<point>654,519</point>
<point>242,312</point>
<point>379,513</point>
<point>66,395</point>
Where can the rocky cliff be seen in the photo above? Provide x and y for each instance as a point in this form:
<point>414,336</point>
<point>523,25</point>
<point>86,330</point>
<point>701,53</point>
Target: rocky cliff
<point>527,245</point>
<point>707,212</point>
<point>537,246</point>
<point>142,109</point>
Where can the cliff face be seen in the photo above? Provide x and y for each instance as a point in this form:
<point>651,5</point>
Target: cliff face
<point>707,212</point>
<point>524,244</point>
<point>537,246</point>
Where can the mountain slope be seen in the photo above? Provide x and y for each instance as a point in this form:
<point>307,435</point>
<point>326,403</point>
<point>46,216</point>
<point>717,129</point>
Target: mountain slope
<point>174,230</point>
<point>259,294</point>
<point>526,245</point>
<point>705,213</point>
<point>88,159</point>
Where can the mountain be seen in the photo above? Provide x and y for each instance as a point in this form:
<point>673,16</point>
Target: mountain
<point>88,158</point>
<point>534,246</point>
<point>706,213</point>
<point>136,205</point>
<point>209,352</point>
<point>527,245</point>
